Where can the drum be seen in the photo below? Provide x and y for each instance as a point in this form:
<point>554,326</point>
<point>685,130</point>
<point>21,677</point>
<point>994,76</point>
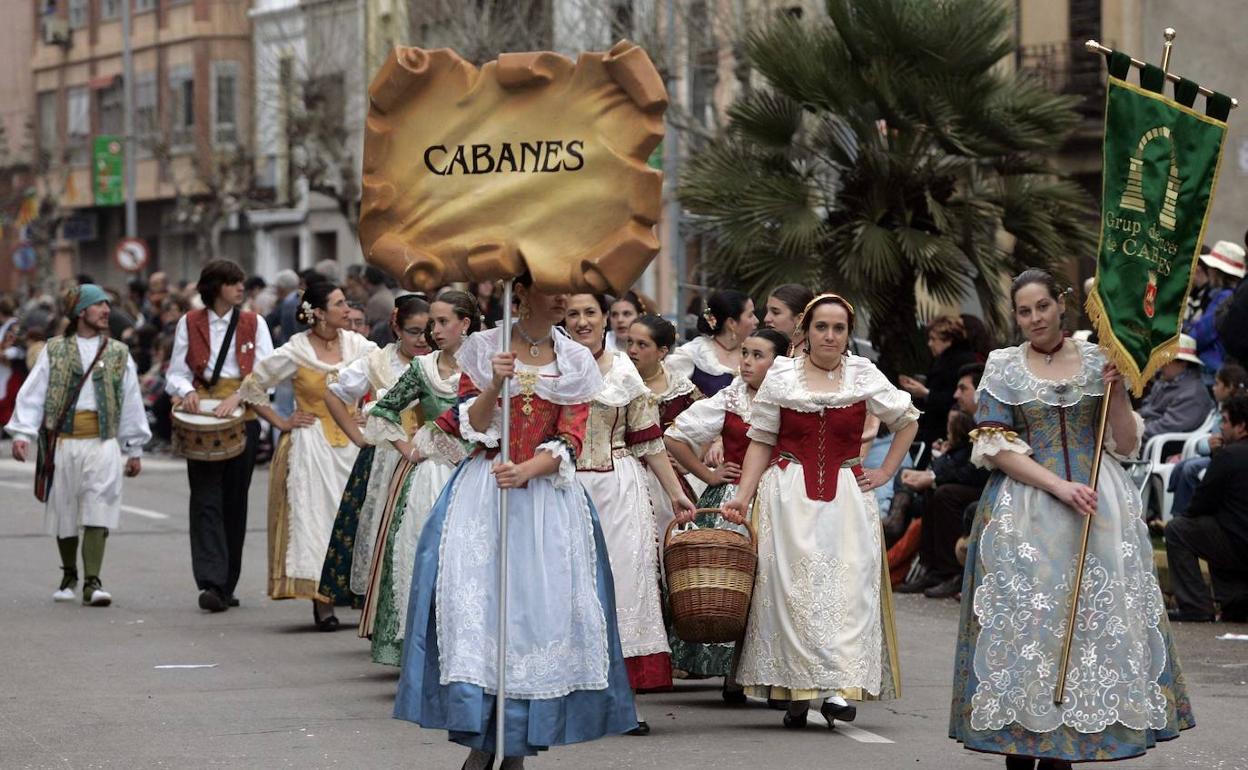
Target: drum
<point>204,436</point>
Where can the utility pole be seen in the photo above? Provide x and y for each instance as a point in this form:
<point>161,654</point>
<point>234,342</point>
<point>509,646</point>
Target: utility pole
<point>127,65</point>
<point>674,247</point>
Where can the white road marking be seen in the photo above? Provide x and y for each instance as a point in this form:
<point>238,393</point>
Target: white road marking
<point>146,513</point>
<point>188,665</point>
<point>859,734</point>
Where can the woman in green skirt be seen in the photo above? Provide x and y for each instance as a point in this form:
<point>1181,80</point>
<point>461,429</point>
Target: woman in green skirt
<point>725,415</point>
<point>430,457</point>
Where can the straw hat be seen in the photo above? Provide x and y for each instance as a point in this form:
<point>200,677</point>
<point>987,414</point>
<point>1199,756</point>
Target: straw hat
<point>1227,257</point>
<point>1187,349</point>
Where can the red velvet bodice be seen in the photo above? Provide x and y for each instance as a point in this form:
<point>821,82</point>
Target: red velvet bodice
<point>735,439</point>
<point>534,421</point>
<point>821,442</point>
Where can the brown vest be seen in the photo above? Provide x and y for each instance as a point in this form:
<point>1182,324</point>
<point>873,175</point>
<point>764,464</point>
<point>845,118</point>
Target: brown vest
<point>199,343</point>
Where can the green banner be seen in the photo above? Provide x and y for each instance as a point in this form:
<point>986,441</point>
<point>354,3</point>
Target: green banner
<point>106,162</point>
<point>1161,161</point>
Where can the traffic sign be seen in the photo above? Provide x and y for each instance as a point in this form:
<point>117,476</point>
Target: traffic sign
<point>131,254</point>
<point>24,256</point>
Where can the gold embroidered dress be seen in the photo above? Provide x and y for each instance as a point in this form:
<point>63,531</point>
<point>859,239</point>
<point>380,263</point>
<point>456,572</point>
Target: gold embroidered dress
<point>311,465</point>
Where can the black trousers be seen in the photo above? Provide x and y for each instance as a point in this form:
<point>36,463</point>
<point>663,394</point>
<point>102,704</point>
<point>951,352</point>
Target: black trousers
<point>219,515</point>
<point>1191,538</point>
<point>942,526</point>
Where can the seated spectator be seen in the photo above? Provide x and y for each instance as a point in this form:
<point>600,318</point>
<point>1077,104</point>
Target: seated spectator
<point>946,489</point>
<point>1215,529</point>
<point>1178,401</point>
<point>1226,269</point>
<point>946,339</point>
<point>1231,380</point>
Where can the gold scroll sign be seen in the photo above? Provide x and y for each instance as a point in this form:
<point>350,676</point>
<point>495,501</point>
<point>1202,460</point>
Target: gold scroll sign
<point>531,162</point>
<point>1133,193</point>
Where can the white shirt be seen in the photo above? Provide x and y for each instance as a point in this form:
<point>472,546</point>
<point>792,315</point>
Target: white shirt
<point>132,429</point>
<point>180,380</point>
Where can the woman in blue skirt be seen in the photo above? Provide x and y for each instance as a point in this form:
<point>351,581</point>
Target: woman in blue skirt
<point>565,675</point>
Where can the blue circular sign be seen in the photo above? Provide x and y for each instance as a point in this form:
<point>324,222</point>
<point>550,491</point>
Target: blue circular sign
<point>24,257</point>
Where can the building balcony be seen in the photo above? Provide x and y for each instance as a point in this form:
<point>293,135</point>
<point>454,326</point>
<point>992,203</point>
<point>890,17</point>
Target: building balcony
<point>1067,68</point>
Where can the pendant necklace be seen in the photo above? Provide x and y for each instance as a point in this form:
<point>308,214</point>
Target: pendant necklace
<point>535,346</point>
<point>832,373</point>
<point>1048,354</point>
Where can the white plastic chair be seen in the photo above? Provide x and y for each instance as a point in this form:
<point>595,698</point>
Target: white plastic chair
<point>1155,453</point>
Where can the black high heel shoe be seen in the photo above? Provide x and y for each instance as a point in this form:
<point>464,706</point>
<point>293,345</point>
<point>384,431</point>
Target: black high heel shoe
<point>642,728</point>
<point>733,697</point>
<point>831,711</point>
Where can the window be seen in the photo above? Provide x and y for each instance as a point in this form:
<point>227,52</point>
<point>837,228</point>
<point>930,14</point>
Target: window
<point>78,122</point>
<point>78,14</point>
<point>111,106</point>
<point>324,98</point>
<point>46,114</point>
<point>225,102</point>
<point>110,9</point>
<point>144,5</point>
<point>181,106</point>
<point>146,116</point>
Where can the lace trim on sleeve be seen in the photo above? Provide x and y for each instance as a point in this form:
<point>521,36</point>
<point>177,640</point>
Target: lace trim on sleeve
<point>492,435</point>
<point>565,475</point>
<point>1127,453</point>
<point>990,441</point>
<point>646,448</point>
<point>437,446</point>
<point>252,392</point>
<point>762,436</point>
<point>379,429</point>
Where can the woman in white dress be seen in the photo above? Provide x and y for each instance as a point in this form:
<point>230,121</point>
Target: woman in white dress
<point>623,432</point>
<point>820,623</point>
<point>314,457</point>
<point>650,339</point>
<point>345,573</point>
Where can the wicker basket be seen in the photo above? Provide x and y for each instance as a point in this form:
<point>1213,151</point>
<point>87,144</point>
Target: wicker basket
<point>710,578</point>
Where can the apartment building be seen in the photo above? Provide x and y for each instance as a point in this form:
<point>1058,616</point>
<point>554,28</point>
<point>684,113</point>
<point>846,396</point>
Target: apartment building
<point>192,77</point>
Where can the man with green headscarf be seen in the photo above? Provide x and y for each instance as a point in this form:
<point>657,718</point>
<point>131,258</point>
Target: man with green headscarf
<point>82,400</point>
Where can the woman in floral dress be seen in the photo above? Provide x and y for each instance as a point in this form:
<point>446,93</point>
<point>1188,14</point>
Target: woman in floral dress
<point>430,385</point>
<point>1039,406</point>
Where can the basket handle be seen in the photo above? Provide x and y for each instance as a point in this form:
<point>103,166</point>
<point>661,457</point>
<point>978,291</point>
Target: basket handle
<point>749,527</point>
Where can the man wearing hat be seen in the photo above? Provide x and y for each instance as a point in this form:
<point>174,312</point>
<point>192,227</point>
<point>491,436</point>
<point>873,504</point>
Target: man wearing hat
<point>1225,265</point>
<point>1178,401</point>
<point>81,402</point>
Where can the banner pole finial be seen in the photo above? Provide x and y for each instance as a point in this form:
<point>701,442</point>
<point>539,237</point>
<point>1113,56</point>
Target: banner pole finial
<point>1169,34</point>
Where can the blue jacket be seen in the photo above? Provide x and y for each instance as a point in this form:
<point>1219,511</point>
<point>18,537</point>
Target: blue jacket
<point>1205,331</point>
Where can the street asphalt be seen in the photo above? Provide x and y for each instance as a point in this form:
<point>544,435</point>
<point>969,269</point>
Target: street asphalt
<point>153,682</point>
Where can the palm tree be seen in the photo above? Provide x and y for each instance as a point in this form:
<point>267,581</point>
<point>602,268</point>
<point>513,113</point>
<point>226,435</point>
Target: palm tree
<point>887,151</point>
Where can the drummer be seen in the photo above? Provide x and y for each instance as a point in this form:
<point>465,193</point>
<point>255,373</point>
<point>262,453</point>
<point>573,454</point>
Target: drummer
<point>214,348</point>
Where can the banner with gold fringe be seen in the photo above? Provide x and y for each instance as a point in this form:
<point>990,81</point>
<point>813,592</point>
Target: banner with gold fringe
<point>1161,163</point>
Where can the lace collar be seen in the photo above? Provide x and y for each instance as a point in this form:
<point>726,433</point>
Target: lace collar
<point>786,385</point>
<point>701,350</point>
<point>352,345</point>
<point>578,382</point>
<point>621,384</point>
<point>1008,379</point>
<point>677,385</point>
<point>428,364</point>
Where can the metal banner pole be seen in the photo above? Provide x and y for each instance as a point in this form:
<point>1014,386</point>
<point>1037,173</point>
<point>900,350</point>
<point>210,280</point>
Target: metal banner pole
<point>500,700</point>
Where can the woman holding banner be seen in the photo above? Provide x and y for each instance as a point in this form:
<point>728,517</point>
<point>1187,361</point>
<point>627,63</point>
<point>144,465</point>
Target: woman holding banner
<point>566,679</point>
<point>1039,405</point>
